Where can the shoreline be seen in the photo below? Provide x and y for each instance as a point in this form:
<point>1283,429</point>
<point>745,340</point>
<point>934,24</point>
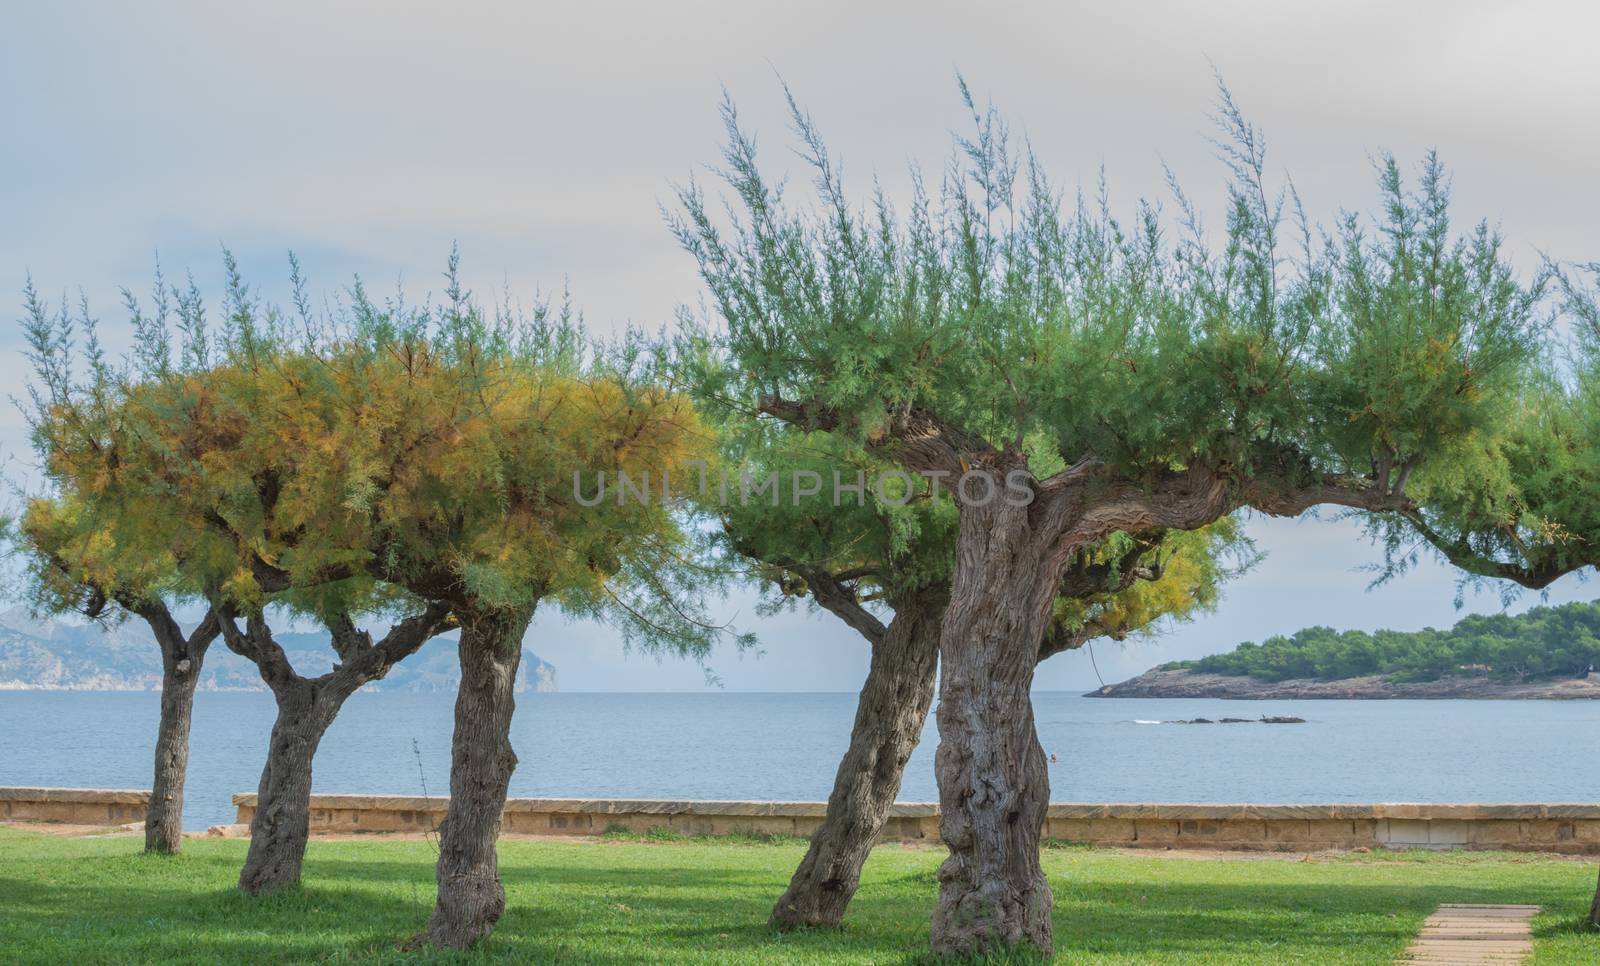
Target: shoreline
<point>1179,683</point>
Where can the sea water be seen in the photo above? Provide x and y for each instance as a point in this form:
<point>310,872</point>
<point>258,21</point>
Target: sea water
<point>787,746</point>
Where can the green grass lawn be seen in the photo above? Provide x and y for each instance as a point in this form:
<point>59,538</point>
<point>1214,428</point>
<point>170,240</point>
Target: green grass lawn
<point>705,901</point>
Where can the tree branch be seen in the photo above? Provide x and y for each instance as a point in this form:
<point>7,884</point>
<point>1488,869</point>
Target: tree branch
<point>406,637</point>
<point>256,645</point>
<point>1091,579</point>
<point>1461,555</point>
<point>912,436</point>
<point>831,594</point>
<point>348,641</point>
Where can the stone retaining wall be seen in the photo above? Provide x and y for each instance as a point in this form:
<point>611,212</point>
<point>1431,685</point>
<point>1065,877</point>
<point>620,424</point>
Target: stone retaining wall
<point>74,806</point>
<point>1545,828</point>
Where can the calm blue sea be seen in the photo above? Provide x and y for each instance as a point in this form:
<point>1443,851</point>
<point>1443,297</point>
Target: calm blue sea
<point>786,746</point>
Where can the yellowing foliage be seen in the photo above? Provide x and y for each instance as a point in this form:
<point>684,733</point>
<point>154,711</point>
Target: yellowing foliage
<point>361,465</point>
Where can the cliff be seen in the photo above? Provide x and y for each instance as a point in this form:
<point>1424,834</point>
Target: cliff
<point>1177,683</point>
<point>50,655</point>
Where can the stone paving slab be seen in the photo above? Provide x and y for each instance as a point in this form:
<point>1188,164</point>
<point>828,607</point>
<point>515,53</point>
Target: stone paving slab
<point>1464,934</point>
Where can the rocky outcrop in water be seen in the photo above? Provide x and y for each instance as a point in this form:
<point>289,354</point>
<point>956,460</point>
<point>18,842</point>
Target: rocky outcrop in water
<point>1165,683</point>
<point>1264,719</point>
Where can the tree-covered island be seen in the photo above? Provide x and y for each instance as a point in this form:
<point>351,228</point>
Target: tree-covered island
<point>1547,652</point>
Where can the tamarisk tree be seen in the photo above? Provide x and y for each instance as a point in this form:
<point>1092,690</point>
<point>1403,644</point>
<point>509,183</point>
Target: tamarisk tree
<point>88,551</point>
<point>1080,377</point>
<point>196,439</point>
<point>79,569</point>
<point>817,519</point>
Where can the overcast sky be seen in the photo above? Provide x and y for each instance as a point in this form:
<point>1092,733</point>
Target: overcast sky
<point>542,138</point>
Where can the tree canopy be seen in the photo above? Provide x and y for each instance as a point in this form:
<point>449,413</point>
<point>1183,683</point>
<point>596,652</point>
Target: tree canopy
<point>1527,513</point>
<point>391,450</point>
<point>989,313</point>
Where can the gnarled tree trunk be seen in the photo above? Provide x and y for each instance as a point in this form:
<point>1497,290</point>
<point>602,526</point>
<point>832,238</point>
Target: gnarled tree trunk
<point>181,662</point>
<point>889,718</point>
<point>282,820</point>
<point>471,897</point>
<point>993,783</point>
<point>1594,908</point>
<point>306,707</point>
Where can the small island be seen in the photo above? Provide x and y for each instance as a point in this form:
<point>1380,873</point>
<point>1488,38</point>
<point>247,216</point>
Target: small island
<point>1546,653</point>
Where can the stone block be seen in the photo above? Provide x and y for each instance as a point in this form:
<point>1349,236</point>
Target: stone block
<point>1243,831</point>
<point>1571,811</point>
<point>1078,811</point>
<point>1548,832</point>
<point>567,823</point>
<point>1197,813</point>
<point>753,825</point>
<point>1403,811</point>
<point>1497,833</point>
<point>897,828</point>
<point>1403,833</point>
<point>1586,830</point>
<point>1505,812</point>
<point>1304,833</point>
<point>636,824</point>
<point>1155,832</point>
<point>1068,829</point>
<point>1100,831</point>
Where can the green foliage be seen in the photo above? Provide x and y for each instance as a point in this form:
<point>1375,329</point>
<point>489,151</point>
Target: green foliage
<point>1524,509</point>
<point>1188,569</point>
<point>387,453</point>
<point>882,545</point>
<point>990,303</point>
<point>1546,642</point>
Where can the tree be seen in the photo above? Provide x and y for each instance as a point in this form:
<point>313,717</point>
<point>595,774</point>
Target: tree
<point>878,558</point>
<point>184,435</point>
<point>1545,642</point>
<point>1080,378</point>
<point>881,565</point>
<point>157,434</point>
<point>102,559</point>
<point>71,576</point>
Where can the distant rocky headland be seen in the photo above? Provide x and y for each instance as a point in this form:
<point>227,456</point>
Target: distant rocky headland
<point>53,655</point>
<point>1165,682</point>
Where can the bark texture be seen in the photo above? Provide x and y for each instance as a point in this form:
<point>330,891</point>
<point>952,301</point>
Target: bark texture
<point>889,717</point>
<point>282,820</point>
<point>306,707</point>
<point>993,784</point>
<point>181,660</point>
<point>471,897</point>
<point>1594,908</point>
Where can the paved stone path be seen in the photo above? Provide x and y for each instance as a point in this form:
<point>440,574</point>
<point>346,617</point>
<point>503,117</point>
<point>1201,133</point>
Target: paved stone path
<point>1466,934</point>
